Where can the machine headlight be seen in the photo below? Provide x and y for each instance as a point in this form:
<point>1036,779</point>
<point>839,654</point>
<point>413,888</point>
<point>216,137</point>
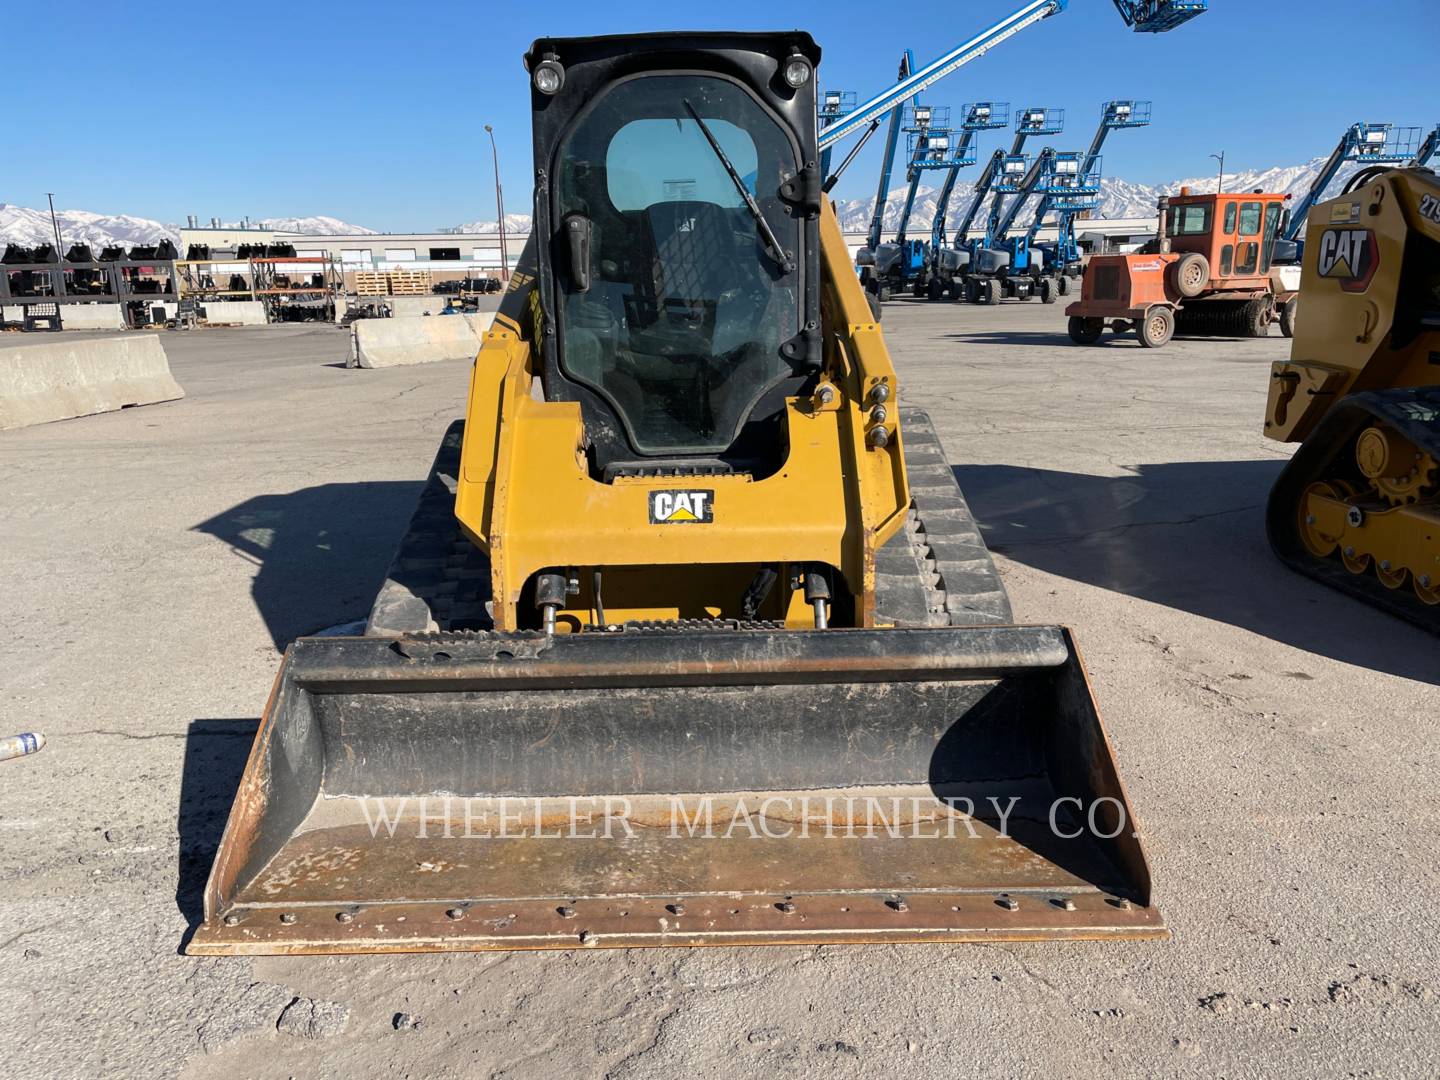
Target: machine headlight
<point>797,71</point>
<point>548,76</point>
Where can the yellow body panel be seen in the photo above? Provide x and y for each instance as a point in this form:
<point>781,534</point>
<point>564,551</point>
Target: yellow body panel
<point>1343,339</point>
<point>525,493</point>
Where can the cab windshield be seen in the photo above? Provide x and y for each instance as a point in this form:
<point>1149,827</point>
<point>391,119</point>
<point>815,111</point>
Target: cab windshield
<point>677,305</point>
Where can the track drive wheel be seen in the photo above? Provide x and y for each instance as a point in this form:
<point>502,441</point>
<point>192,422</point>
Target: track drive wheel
<point>1287,316</point>
<point>1085,331</point>
<point>1157,327</point>
<point>1318,541</point>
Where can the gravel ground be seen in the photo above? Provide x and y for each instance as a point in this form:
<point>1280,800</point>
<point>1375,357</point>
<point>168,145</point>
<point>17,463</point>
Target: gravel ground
<point>1277,740</point>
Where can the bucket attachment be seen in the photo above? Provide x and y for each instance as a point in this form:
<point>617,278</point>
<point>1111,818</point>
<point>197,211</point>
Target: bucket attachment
<point>650,786</point>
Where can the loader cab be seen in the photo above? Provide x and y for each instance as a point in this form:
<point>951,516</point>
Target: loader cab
<point>1235,232</point>
<point>677,202</point>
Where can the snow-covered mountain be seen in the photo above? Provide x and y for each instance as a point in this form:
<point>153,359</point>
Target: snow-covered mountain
<point>1119,198</point>
<point>317,226</point>
<point>514,223</point>
<point>20,225</point>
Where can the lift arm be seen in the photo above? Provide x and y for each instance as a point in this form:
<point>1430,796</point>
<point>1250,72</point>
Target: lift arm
<point>1377,144</point>
<point>1427,148</point>
<point>887,163</point>
<point>982,190</point>
<point>1113,114</point>
<point>1001,228</point>
<point>937,69</point>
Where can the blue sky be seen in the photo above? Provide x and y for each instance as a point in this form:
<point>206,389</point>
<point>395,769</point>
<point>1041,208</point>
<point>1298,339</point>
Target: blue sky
<point>374,112</point>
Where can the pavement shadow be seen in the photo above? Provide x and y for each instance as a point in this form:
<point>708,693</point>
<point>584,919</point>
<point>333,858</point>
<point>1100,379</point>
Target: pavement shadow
<point>320,553</point>
<point>1016,337</point>
<point>1189,535</point>
<point>215,755</point>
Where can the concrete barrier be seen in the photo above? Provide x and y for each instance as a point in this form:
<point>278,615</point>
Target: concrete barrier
<point>235,313</point>
<point>60,379</point>
<point>76,316</point>
<point>396,342</point>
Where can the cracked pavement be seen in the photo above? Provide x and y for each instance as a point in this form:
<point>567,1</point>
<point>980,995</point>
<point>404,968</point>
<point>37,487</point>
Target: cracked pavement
<point>1276,738</point>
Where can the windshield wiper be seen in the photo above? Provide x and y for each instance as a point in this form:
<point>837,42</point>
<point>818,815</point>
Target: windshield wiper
<point>772,243</point>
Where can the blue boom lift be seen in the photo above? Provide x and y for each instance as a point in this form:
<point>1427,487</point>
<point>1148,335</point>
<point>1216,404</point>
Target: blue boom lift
<point>865,257</point>
<point>1145,16</point>
<point>903,262</point>
<point>1371,144</point>
<point>1427,149</point>
<point>980,116</point>
<point>1009,174</point>
<point>1007,265</point>
<point>1063,255</point>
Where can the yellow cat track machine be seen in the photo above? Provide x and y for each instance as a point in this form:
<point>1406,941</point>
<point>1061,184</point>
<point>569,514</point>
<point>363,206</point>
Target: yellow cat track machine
<point>692,639</point>
<point>1358,506</point>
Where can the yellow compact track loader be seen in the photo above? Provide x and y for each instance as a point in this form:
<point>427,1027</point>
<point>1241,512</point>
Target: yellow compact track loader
<point>1358,506</point>
<point>692,639</point>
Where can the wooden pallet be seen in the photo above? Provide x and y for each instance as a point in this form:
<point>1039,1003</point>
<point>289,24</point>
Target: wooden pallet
<point>392,282</point>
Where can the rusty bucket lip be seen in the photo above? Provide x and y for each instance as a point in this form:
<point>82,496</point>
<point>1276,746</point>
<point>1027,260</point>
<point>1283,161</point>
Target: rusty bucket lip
<point>468,662</point>
<point>839,918</point>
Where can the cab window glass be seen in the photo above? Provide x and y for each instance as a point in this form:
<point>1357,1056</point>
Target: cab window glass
<point>1249,218</point>
<point>1190,220</point>
<point>1230,209</point>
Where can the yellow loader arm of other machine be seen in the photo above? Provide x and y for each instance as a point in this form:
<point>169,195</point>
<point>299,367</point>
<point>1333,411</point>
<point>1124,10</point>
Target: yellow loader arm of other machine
<point>1358,506</point>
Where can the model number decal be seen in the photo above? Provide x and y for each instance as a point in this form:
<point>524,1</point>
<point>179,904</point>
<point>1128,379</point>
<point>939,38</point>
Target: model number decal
<point>1430,207</point>
<point>1348,255</point>
<point>689,507</point>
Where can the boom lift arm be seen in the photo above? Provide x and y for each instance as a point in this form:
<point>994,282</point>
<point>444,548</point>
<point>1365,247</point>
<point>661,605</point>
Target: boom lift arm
<point>1374,144</point>
<point>981,116</point>
<point>1113,114</point>
<point>887,162</point>
<point>1427,149</point>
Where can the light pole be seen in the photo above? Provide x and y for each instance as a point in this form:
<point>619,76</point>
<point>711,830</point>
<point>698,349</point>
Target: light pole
<point>499,207</point>
<point>1220,184</point>
<point>55,224</point>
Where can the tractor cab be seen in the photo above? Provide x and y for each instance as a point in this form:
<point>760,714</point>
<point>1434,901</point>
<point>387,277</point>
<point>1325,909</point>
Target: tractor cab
<point>1234,232</point>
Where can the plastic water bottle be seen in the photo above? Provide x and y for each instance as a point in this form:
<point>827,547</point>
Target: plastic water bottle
<point>27,742</point>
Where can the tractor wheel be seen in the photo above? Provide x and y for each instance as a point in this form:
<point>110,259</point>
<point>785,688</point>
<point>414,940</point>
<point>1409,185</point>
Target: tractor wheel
<point>989,291</point>
<point>1157,327</point>
<point>882,292</point>
<point>918,290</point>
<point>874,305</point>
<point>1085,331</point>
<point>1047,290</point>
<point>1190,274</point>
<point>934,288</point>
<point>972,290</point>
<point>1062,285</point>
<point>1287,316</point>
<point>1257,318</point>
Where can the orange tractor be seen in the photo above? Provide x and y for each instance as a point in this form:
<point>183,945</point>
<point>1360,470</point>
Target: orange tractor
<point>1210,270</point>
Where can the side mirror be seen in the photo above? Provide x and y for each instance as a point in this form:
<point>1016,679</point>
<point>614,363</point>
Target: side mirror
<point>577,237</point>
